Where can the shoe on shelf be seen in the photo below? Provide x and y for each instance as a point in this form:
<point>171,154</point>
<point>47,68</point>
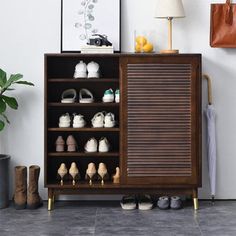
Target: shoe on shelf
<point>176,203</point>
<point>91,173</point>
<point>108,96</point>
<point>104,145</point>
<point>85,96</point>
<point>74,172</point>
<point>69,96</point>
<point>78,121</point>
<point>116,176</point>
<point>128,202</point>
<point>117,96</point>
<point>64,121</point>
<point>145,202</point>
<point>62,171</point>
<point>109,120</point>
<point>80,70</point>
<point>91,145</point>
<point>102,173</point>
<point>60,144</point>
<point>163,203</point>
<point>98,120</point>
<point>93,70</point>
<point>71,144</point>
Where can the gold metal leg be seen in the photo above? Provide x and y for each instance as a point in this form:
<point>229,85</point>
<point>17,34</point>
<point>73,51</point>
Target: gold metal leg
<point>195,204</point>
<point>49,204</point>
<point>195,199</point>
<point>50,199</point>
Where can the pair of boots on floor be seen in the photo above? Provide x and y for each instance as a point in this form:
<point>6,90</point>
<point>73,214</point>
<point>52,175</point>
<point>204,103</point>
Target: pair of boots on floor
<point>32,200</point>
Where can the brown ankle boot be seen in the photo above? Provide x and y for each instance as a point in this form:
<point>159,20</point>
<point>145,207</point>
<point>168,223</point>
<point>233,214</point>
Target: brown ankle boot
<point>34,201</point>
<point>20,195</point>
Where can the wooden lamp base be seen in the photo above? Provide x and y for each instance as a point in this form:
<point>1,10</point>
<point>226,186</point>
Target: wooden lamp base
<point>169,51</point>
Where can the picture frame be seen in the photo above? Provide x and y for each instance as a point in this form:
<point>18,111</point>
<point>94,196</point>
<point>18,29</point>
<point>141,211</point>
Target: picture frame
<point>80,19</point>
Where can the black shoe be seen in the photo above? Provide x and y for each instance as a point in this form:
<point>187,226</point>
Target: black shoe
<point>128,203</point>
<point>145,202</point>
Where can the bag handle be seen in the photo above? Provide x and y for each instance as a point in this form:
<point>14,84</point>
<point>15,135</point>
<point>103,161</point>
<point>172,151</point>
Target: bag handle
<point>229,13</point>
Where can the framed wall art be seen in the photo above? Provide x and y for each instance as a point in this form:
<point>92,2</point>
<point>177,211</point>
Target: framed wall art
<point>80,19</point>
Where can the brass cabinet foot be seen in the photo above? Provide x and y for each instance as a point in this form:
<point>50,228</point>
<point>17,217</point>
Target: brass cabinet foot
<point>49,204</point>
<point>195,203</point>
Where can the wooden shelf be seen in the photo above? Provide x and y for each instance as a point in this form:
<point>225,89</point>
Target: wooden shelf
<point>84,185</point>
<point>70,80</point>
<point>84,129</point>
<point>83,154</point>
<point>95,104</point>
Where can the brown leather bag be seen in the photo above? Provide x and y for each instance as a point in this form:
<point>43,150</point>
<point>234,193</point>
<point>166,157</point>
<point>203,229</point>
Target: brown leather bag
<point>223,25</point>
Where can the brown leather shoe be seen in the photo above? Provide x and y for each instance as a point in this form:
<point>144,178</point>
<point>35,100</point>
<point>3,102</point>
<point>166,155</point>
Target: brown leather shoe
<point>34,201</point>
<point>20,195</point>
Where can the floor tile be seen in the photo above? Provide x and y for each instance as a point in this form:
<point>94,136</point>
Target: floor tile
<point>107,218</point>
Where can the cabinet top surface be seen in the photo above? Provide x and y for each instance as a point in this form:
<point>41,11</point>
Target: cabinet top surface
<point>121,55</point>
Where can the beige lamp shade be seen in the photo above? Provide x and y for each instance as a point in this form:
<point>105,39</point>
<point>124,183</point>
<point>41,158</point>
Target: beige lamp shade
<point>169,8</point>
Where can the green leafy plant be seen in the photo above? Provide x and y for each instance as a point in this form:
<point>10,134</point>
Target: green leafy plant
<point>6,101</point>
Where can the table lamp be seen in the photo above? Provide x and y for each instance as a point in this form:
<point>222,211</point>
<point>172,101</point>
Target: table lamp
<point>169,9</point>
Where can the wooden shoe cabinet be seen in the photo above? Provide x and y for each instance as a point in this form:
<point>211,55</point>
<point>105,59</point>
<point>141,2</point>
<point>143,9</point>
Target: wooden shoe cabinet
<point>157,140</point>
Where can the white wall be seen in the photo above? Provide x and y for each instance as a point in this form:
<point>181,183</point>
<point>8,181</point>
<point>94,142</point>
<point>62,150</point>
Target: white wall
<point>30,28</point>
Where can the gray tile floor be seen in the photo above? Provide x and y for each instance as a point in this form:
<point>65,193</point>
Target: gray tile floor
<point>108,219</point>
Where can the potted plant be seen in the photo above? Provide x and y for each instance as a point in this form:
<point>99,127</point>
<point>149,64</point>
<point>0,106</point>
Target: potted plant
<point>6,84</point>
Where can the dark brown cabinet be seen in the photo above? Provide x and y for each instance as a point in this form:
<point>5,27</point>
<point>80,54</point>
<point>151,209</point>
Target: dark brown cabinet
<point>157,142</point>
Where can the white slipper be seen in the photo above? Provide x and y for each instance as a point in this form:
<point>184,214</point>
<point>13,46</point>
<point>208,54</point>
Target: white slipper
<point>85,96</point>
<point>69,96</point>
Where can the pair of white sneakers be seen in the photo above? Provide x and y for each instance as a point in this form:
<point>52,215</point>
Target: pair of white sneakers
<point>87,71</point>
<point>93,145</point>
<point>78,121</point>
<point>110,96</point>
<point>103,119</point>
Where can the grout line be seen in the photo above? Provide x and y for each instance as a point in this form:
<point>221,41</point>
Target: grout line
<point>95,224</point>
<point>198,226</point>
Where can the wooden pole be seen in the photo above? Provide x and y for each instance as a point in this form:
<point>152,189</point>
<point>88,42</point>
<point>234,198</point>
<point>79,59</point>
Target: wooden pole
<point>170,50</point>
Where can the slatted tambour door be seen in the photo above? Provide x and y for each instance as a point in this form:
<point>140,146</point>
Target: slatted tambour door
<point>159,120</point>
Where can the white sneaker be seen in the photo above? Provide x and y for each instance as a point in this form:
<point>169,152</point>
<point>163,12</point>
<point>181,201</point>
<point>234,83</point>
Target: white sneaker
<point>91,145</point>
<point>108,96</point>
<point>117,96</point>
<point>80,70</point>
<point>109,120</point>
<point>78,121</point>
<point>98,120</point>
<point>64,121</point>
<point>104,145</point>
<point>93,70</point>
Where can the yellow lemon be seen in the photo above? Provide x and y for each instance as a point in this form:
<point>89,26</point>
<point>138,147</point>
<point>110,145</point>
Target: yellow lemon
<point>141,40</point>
<point>148,47</point>
<point>138,48</point>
